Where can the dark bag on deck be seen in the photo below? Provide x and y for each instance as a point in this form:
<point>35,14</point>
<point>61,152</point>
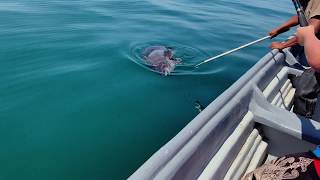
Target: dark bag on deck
<point>307,91</point>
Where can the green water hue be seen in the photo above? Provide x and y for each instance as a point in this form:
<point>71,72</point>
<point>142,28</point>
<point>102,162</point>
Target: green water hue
<point>72,103</point>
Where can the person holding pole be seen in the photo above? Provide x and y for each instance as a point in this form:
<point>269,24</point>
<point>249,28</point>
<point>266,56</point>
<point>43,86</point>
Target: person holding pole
<point>312,12</point>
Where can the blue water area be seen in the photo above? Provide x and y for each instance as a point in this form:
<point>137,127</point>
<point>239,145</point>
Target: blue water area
<point>74,104</point>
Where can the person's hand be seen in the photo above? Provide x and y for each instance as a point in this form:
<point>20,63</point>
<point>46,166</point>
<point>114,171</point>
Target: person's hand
<point>277,31</point>
<point>277,45</point>
<point>303,33</point>
<point>274,33</point>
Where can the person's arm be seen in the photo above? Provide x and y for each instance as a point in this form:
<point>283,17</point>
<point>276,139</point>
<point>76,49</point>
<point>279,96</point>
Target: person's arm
<point>315,22</point>
<point>293,21</point>
<point>306,37</point>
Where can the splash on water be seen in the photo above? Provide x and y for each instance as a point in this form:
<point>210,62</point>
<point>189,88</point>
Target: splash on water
<point>180,60</point>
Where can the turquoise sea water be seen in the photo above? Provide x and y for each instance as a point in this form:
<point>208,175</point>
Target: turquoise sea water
<point>74,105</point>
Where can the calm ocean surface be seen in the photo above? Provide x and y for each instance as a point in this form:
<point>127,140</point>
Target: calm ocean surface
<point>75,106</point>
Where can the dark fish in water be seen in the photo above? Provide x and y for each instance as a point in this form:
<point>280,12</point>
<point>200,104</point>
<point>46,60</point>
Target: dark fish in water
<point>199,106</point>
<point>160,58</point>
